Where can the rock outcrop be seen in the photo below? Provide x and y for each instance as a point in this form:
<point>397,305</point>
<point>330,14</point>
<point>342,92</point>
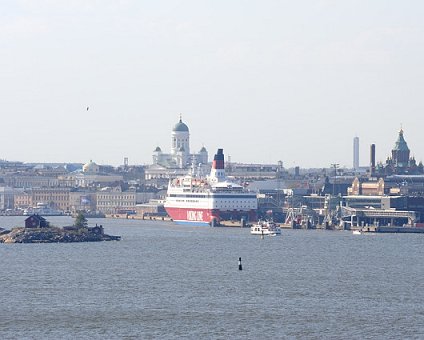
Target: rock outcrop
<point>55,234</point>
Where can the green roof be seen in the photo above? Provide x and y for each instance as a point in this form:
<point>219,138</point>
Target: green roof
<point>400,144</point>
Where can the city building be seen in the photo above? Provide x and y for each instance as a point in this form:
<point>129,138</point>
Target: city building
<point>57,198</point>
<point>151,208</point>
<point>180,156</point>
<point>92,176</point>
<point>82,200</point>
<point>115,200</point>
<point>254,171</point>
<point>23,199</point>
<point>368,188</point>
<point>29,180</point>
<point>7,198</point>
<point>400,162</point>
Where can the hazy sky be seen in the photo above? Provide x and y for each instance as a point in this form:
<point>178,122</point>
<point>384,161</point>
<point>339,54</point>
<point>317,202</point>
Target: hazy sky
<point>265,80</point>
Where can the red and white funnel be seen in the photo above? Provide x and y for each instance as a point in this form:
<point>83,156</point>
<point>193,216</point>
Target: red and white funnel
<point>218,171</point>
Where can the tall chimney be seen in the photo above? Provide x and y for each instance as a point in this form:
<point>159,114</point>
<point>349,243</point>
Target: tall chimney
<point>356,153</point>
<point>372,160</point>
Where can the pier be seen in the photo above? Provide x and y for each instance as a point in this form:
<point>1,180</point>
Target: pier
<point>355,217</point>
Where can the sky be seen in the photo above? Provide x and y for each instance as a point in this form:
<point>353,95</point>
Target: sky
<point>266,81</point>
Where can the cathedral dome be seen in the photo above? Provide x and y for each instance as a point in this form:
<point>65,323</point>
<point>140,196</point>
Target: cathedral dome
<point>400,144</point>
<point>90,167</point>
<point>180,127</point>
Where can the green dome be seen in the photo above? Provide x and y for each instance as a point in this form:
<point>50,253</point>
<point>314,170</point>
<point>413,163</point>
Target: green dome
<point>180,127</point>
<point>400,144</point>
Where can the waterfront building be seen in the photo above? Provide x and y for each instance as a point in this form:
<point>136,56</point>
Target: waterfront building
<point>57,198</point>
<point>7,198</point>
<point>362,210</point>
<point>115,200</point>
<point>23,199</point>
<point>36,221</point>
<point>146,196</point>
<point>153,207</point>
<point>82,200</point>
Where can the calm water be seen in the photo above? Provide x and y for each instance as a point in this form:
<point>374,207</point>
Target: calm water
<point>166,281</point>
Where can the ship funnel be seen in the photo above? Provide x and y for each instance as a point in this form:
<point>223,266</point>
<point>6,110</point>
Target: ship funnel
<point>217,171</point>
<point>218,160</point>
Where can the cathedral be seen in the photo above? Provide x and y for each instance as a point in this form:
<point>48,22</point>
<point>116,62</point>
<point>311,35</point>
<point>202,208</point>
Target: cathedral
<point>400,162</point>
<point>180,156</point>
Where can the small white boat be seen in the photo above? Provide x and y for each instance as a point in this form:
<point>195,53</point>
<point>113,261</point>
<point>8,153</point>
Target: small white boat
<point>265,228</point>
<point>42,209</point>
<point>356,232</point>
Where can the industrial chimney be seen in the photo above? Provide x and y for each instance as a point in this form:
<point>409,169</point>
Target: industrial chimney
<point>372,160</point>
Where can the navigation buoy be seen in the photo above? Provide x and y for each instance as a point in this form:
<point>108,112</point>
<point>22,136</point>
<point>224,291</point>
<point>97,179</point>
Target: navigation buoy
<point>239,263</point>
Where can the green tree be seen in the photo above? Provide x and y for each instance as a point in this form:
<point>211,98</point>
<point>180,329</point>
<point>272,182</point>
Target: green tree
<point>80,220</point>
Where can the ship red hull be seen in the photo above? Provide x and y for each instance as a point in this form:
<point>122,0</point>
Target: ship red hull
<point>192,216</point>
<point>206,216</point>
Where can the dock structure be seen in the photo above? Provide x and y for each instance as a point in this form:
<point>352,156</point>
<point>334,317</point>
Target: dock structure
<point>401,230</point>
<point>391,229</point>
<point>355,217</point>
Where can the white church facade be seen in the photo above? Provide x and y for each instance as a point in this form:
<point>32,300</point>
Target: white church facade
<point>180,156</point>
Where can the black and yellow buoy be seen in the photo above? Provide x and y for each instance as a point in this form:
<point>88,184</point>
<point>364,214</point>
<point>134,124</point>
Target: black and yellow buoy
<point>239,263</point>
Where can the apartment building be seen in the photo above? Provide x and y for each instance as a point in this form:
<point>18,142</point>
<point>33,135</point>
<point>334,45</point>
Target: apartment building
<point>114,200</point>
<point>57,198</point>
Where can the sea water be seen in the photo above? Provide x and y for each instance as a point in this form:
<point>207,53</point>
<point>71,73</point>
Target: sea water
<point>164,281</point>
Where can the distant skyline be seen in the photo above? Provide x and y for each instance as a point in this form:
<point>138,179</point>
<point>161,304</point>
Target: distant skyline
<point>294,81</point>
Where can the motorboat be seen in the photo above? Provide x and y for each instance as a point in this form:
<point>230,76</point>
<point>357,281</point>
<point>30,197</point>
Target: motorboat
<point>265,228</point>
<point>42,209</point>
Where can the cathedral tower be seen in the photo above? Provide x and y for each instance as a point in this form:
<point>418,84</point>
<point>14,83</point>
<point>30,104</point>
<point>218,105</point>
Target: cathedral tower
<point>400,152</point>
<point>180,143</point>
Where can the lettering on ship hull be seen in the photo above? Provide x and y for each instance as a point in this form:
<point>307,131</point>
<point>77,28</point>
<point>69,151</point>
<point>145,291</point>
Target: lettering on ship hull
<point>194,215</point>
